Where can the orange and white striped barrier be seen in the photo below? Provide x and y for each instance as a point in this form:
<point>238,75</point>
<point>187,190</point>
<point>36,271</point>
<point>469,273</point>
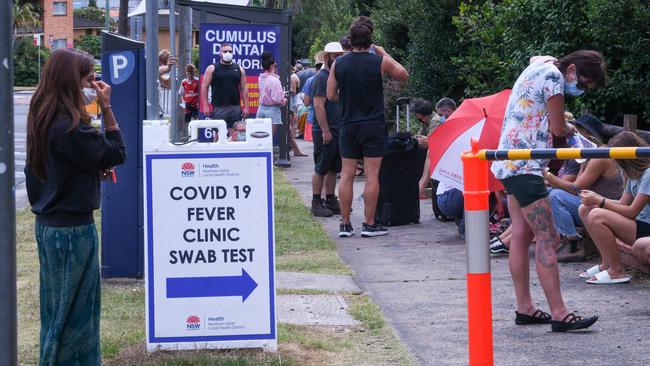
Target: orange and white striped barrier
<point>477,237</point>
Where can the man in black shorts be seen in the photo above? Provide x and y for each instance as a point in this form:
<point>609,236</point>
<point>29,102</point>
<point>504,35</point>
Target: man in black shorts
<point>325,131</point>
<point>356,81</point>
<point>227,83</point>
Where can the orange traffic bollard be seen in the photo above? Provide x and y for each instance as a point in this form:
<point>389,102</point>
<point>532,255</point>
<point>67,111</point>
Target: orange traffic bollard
<point>477,236</point>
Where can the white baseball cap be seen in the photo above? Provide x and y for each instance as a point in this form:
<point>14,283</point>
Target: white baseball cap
<point>333,47</point>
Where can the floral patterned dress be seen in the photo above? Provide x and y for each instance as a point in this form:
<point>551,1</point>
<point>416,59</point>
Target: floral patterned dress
<point>526,124</point>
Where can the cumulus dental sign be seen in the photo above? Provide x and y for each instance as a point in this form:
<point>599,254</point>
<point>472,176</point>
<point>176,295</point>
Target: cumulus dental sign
<point>248,41</point>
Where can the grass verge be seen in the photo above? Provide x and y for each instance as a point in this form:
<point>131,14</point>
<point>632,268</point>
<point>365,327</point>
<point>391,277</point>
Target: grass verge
<point>302,246</point>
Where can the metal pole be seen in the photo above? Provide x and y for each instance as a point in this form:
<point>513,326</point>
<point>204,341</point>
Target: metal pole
<point>176,128</point>
<point>8,322</point>
<point>285,52</point>
<point>106,17</point>
<point>184,57</point>
<point>477,237</point>
<point>151,54</point>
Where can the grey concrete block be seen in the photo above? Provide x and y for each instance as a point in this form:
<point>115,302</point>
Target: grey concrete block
<point>313,310</point>
<point>316,281</point>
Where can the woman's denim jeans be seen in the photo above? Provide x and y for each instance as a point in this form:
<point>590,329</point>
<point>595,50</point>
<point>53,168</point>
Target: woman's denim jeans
<point>565,211</point>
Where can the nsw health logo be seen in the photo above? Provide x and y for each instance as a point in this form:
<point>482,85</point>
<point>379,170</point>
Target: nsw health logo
<point>188,169</point>
<point>193,322</point>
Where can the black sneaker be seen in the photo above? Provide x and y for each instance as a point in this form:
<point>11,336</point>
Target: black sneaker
<point>333,204</point>
<point>497,247</point>
<point>318,209</point>
<point>373,230</point>
<point>345,230</point>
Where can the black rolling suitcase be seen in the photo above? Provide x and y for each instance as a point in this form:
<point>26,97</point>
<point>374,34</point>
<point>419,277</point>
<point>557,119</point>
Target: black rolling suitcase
<point>400,172</point>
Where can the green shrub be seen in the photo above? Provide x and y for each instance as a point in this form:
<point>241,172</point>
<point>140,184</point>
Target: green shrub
<point>91,44</point>
<point>26,61</point>
<point>498,38</point>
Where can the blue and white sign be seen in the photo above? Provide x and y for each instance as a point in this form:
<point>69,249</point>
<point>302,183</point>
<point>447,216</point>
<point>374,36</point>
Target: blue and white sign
<point>121,65</point>
<point>210,241</point>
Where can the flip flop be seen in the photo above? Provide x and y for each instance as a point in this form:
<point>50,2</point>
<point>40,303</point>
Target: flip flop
<point>603,278</point>
<point>590,272</point>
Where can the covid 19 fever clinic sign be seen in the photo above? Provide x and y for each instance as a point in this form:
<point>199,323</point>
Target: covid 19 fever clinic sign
<point>249,41</point>
<point>210,248</point>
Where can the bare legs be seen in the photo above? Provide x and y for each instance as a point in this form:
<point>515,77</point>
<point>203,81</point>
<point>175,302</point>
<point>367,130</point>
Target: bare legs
<point>535,221</point>
<point>371,189</point>
<point>604,227</point>
<point>345,188</point>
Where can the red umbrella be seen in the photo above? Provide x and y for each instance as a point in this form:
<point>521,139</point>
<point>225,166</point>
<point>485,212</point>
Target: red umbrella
<point>482,117</point>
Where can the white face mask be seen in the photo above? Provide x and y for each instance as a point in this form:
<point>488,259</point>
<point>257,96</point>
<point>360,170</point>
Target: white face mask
<point>227,57</point>
<point>88,95</point>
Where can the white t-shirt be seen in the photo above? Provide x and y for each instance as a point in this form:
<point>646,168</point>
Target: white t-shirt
<point>442,188</point>
<point>641,185</point>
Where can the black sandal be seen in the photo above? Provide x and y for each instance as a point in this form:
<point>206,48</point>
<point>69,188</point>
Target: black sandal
<point>572,322</point>
<point>538,317</point>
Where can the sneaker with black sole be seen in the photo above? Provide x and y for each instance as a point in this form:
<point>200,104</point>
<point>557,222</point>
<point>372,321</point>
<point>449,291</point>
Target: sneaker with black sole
<point>497,247</point>
<point>370,231</point>
<point>333,204</point>
<point>345,230</point>
<point>318,209</point>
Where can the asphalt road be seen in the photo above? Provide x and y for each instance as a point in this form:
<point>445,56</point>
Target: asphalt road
<point>21,105</point>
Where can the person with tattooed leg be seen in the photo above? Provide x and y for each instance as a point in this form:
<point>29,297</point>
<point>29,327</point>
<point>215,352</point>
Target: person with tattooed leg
<point>535,113</point>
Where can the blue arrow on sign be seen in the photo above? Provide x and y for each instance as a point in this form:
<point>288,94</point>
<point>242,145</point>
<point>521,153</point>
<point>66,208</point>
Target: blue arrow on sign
<point>183,287</point>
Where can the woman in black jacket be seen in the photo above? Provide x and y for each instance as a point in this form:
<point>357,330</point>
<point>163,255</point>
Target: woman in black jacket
<point>66,158</point>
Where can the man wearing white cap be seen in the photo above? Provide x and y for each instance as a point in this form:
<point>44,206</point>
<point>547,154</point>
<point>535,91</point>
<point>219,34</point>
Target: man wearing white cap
<point>327,157</point>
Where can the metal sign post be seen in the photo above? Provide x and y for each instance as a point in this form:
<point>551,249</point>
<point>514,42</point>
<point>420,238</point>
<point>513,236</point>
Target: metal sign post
<point>151,52</point>
<point>8,322</point>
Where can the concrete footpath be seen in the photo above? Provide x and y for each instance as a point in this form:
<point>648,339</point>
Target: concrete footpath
<point>416,275</point>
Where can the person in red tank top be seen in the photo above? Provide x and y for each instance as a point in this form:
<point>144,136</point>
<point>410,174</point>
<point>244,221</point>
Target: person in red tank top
<point>189,92</point>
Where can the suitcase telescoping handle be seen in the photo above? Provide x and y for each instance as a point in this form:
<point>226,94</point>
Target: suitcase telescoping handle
<point>400,101</point>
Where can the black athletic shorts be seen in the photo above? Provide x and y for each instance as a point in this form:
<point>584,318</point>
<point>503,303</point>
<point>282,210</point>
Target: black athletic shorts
<point>526,188</point>
<point>327,157</point>
<point>228,113</point>
<point>367,140</point>
<point>642,229</point>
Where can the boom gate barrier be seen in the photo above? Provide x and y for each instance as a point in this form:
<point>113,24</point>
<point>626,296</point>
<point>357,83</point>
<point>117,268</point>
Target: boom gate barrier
<point>476,193</point>
<point>209,238</point>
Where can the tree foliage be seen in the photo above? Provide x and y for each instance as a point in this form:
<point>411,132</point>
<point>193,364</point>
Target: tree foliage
<point>498,38</point>
<point>94,14</point>
<point>26,62</point>
<point>469,48</point>
<point>91,44</point>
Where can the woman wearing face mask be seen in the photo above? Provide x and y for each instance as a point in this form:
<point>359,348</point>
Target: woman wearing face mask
<point>534,114</point>
<point>65,158</point>
<point>272,98</point>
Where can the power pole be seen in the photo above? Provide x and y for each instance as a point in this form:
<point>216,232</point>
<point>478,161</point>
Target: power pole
<point>122,21</point>
<point>151,54</point>
<point>176,126</point>
<point>107,23</point>
<point>184,56</point>
<point>8,320</point>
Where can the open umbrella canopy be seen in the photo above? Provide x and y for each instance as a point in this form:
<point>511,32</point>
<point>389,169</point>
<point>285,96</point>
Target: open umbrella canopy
<point>476,117</point>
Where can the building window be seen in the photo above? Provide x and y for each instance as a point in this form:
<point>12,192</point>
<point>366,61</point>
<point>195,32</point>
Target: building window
<point>59,43</point>
<point>60,8</point>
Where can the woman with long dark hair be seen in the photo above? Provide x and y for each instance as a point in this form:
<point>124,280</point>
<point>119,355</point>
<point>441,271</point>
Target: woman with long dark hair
<point>66,158</point>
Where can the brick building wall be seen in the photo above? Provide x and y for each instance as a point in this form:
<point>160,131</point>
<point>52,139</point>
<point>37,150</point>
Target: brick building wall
<point>57,23</point>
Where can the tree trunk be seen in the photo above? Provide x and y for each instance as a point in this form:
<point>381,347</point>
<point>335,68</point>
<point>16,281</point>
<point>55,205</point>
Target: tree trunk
<point>269,4</point>
<point>122,20</point>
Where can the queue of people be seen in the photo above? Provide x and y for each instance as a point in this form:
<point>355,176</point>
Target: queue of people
<point>602,199</point>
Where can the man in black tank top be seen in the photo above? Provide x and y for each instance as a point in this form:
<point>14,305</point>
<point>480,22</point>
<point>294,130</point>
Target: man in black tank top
<point>356,82</point>
<point>227,83</point>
